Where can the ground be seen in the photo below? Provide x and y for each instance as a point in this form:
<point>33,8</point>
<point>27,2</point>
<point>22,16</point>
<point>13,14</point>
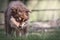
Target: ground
<point>42,35</point>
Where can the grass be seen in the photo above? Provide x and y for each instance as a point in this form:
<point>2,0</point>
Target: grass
<point>55,35</point>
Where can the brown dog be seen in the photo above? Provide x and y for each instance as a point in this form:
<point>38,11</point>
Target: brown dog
<point>16,18</point>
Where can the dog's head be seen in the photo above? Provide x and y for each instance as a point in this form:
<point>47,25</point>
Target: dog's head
<point>21,15</point>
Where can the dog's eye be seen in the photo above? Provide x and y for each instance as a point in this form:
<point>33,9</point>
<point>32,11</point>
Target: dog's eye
<point>19,18</point>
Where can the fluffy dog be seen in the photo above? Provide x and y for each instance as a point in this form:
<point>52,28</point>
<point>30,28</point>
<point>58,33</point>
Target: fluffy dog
<point>16,18</point>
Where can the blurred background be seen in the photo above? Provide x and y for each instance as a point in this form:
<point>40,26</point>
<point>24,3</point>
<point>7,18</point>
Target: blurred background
<point>41,10</point>
<point>44,17</point>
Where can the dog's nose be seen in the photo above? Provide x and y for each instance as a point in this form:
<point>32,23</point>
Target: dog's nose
<point>19,26</point>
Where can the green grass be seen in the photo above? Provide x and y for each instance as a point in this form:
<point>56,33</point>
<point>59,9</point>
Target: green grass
<point>55,35</point>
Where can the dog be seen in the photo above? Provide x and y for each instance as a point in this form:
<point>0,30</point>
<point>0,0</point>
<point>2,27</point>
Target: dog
<point>16,18</point>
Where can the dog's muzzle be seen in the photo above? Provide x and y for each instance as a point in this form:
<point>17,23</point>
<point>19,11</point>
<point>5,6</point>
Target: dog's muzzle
<point>22,25</point>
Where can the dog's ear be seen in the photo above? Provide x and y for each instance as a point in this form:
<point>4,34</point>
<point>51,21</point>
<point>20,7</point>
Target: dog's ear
<point>27,11</point>
<point>14,10</point>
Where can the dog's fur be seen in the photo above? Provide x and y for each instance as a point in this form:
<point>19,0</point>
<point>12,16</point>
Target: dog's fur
<point>16,14</point>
